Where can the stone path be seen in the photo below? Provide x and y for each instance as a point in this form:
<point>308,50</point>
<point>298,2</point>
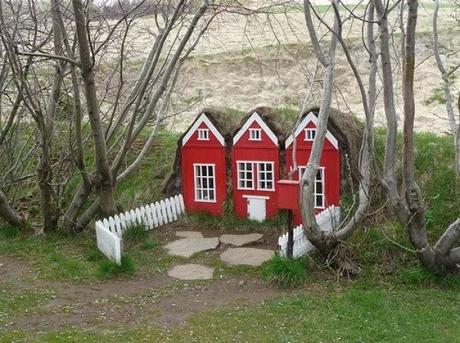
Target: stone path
<point>240,240</point>
<point>191,271</point>
<point>189,234</point>
<point>246,256</point>
<point>192,242</point>
<point>186,247</point>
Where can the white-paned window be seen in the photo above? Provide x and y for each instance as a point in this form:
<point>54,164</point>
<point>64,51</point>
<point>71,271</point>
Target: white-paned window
<point>255,134</point>
<point>319,186</point>
<point>265,175</point>
<point>245,175</point>
<point>310,134</point>
<point>203,134</point>
<point>205,182</point>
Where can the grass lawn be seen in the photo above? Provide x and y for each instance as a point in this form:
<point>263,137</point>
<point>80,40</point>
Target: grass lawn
<point>351,315</point>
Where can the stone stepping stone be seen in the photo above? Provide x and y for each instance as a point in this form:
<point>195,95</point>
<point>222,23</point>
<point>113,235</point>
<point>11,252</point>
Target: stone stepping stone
<point>191,271</point>
<point>246,256</point>
<point>186,247</point>
<point>240,240</point>
<point>189,234</point>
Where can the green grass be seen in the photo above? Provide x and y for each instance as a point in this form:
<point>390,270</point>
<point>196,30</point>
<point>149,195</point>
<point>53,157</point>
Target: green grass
<point>352,315</point>
<point>135,233</point>
<point>109,269</point>
<point>284,272</point>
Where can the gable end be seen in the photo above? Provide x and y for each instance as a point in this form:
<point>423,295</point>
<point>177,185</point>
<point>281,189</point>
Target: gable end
<point>303,124</point>
<point>255,117</point>
<point>203,119</point>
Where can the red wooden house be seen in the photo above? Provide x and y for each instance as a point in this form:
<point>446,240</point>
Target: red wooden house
<point>327,184</point>
<point>211,163</point>
<point>255,169</point>
<point>203,167</point>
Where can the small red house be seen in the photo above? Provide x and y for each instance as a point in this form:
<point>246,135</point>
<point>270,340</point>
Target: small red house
<point>255,169</point>
<point>327,185</point>
<point>203,167</point>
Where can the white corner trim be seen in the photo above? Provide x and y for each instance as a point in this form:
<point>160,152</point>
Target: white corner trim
<point>203,119</point>
<point>310,117</point>
<point>255,118</point>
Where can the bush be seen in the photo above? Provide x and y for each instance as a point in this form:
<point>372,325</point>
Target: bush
<point>284,272</point>
<point>109,268</point>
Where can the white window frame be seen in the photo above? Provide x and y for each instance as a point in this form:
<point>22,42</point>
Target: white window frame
<point>203,134</point>
<point>244,179</point>
<point>202,189</point>
<point>255,173</point>
<point>315,193</point>
<point>265,172</point>
<point>310,134</point>
<point>255,134</point>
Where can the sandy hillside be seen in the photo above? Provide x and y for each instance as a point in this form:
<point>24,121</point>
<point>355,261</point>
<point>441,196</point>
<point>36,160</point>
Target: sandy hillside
<point>245,61</point>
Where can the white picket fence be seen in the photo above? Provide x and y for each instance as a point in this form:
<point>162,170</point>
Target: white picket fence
<point>109,231</point>
<point>327,221</point>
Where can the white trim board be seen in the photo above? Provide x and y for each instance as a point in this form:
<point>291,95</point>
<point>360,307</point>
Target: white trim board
<point>256,197</point>
<point>310,117</point>
<point>255,117</point>
<point>203,118</point>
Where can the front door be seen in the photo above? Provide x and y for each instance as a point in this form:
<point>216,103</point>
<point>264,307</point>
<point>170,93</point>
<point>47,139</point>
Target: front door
<point>257,209</point>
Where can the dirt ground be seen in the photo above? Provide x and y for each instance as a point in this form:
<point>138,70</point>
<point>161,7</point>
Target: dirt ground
<point>156,299</point>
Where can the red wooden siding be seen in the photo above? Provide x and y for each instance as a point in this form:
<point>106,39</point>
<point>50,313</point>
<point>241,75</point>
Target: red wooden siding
<point>330,160</point>
<point>263,150</point>
<point>203,152</point>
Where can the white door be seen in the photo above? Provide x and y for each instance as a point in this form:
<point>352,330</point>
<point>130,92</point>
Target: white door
<point>257,209</point>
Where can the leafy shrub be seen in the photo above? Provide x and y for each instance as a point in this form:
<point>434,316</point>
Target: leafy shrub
<point>108,269</point>
<point>284,272</point>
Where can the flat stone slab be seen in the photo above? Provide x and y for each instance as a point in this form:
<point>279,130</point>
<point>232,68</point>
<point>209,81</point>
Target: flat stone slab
<point>240,240</point>
<point>186,247</point>
<point>191,271</point>
<point>246,256</point>
<point>189,234</point>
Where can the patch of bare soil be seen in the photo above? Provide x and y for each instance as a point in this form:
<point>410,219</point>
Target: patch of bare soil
<point>12,269</point>
<point>159,301</point>
<point>176,309</point>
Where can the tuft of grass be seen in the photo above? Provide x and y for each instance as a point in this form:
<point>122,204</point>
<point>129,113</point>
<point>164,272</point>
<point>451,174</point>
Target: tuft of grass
<point>94,255</point>
<point>284,272</point>
<point>109,269</point>
<point>419,276</point>
<point>9,232</point>
<point>149,244</point>
<point>136,233</point>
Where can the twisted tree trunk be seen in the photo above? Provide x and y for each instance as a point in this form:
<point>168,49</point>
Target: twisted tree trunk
<point>8,213</point>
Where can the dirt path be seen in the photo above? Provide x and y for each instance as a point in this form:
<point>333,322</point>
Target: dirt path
<point>157,300</point>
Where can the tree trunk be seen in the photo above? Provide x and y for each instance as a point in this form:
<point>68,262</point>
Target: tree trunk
<point>104,181</point>
<point>8,213</point>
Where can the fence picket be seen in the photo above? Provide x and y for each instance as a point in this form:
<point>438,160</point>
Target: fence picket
<point>117,221</point>
<point>168,210</point>
<point>172,206</point>
<point>181,203</point>
<point>148,216</point>
<point>163,211</point>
